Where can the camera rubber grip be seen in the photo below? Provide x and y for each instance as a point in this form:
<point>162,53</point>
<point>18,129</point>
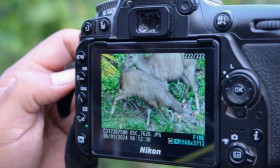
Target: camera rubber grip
<point>64,104</point>
<point>265,60</point>
<point>74,158</point>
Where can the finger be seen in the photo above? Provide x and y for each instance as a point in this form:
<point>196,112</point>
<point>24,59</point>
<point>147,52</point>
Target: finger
<point>57,85</point>
<point>56,52</point>
<point>32,90</point>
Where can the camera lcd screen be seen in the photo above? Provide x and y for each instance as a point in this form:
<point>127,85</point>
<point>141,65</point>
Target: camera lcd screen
<point>151,92</point>
<point>154,104</point>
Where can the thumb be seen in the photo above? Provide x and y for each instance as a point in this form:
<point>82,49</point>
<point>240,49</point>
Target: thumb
<point>63,77</point>
<point>23,94</point>
<point>56,86</point>
<point>30,91</point>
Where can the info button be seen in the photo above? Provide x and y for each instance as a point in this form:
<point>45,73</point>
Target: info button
<point>256,135</point>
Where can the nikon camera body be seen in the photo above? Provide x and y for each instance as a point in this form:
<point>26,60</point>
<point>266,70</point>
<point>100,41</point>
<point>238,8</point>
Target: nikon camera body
<point>180,82</point>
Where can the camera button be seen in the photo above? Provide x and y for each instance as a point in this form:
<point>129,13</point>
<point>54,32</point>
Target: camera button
<point>256,135</point>
<point>239,89</point>
<point>81,57</point>
<point>87,28</point>
<point>81,118</point>
<point>81,77</point>
<point>81,98</point>
<point>223,21</point>
<point>81,139</point>
<point>104,24</point>
<point>186,7</point>
<point>240,154</point>
<point>237,156</point>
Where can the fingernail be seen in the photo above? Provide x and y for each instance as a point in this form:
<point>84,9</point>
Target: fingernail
<point>64,77</point>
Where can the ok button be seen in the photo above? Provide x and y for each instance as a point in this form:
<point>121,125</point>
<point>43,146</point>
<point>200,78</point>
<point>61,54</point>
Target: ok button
<point>239,89</point>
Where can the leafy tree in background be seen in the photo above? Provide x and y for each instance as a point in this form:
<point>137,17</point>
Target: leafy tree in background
<point>26,23</point>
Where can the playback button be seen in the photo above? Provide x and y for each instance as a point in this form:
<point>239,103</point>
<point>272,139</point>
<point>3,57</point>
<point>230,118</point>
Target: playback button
<point>87,28</point>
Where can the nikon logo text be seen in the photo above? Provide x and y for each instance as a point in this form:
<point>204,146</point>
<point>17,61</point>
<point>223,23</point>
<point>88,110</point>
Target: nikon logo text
<point>148,150</point>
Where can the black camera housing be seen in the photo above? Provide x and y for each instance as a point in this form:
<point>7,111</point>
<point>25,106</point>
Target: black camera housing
<point>241,46</point>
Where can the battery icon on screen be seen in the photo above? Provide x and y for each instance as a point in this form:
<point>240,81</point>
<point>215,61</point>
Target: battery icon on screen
<point>170,141</point>
<point>177,141</point>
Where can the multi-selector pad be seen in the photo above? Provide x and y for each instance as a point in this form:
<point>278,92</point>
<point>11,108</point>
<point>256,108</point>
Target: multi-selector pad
<point>241,94</point>
<point>240,90</point>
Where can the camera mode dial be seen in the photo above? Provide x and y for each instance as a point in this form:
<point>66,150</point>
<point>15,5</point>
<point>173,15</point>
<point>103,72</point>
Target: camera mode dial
<point>106,8</point>
<point>240,154</point>
<point>240,88</point>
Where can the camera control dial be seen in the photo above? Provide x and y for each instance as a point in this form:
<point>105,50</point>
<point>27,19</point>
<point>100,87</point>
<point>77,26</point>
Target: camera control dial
<point>106,8</point>
<point>186,7</point>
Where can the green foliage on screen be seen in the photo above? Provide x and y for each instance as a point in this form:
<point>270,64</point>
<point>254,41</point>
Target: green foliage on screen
<point>134,117</point>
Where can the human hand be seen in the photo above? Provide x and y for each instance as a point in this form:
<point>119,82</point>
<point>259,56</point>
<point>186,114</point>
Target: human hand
<point>31,132</point>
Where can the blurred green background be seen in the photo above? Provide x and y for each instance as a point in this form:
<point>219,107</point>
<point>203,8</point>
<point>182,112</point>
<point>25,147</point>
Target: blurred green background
<point>24,23</point>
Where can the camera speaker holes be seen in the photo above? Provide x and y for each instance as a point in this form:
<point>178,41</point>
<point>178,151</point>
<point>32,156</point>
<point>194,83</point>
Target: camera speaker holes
<point>237,130</point>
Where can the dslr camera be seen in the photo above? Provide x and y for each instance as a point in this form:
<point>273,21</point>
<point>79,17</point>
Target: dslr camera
<point>180,82</point>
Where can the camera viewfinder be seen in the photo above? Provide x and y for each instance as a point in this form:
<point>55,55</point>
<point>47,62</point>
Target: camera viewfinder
<point>149,21</point>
